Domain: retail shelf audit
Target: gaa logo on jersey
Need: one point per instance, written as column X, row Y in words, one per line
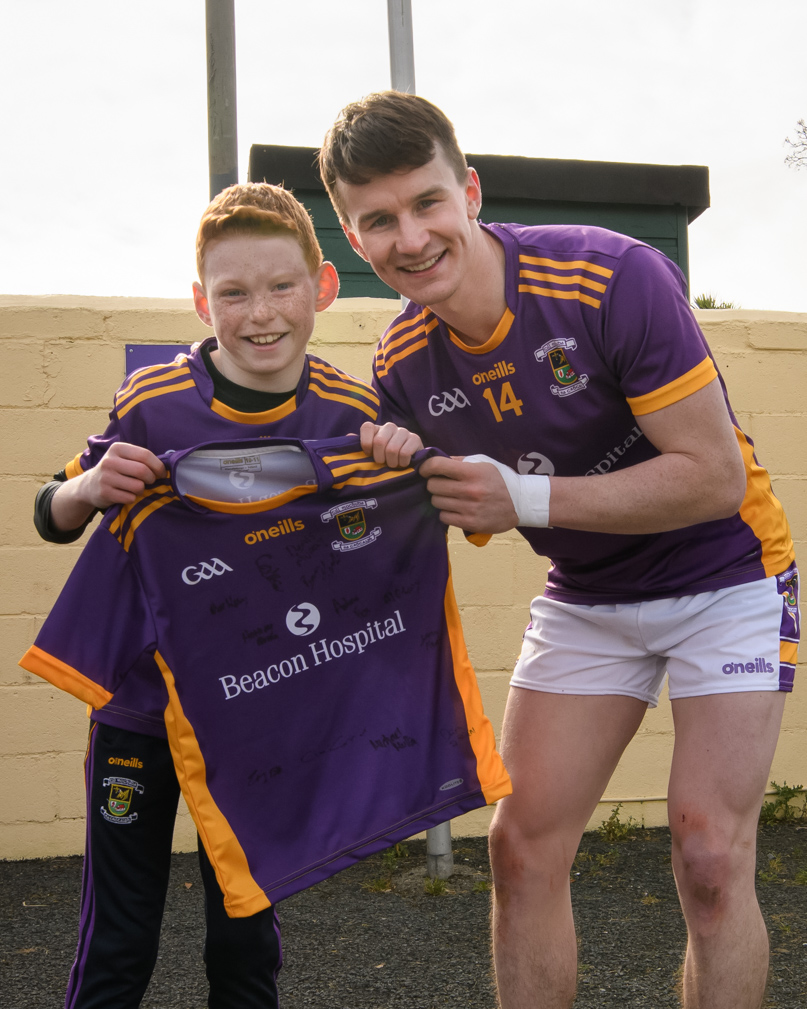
column 352, row 524
column 303, row 619
column 194, row 573
column 119, row 801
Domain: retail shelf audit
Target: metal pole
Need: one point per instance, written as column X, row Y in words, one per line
column 222, row 132
column 401, row 46
column 439, row 857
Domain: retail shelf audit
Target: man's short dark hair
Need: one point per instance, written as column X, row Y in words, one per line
column 385, row 132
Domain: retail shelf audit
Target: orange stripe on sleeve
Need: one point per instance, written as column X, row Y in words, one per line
column 155, row 392
column 243, row 895
column 140, row 381
column 553, row 278
column 673, row 392
column 572, row 264
column 549, row 292
column 64, row 677
column 73, row 468
column 371, row 411
column 493, row 777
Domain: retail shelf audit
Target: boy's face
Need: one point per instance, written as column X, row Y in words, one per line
column 261, row 298
column 417, row 229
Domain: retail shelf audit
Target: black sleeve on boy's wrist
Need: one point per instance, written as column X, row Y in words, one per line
column 42, row 517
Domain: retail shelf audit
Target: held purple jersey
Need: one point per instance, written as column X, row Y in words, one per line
column 297, row 599
column 597, row 332
column 173, row 406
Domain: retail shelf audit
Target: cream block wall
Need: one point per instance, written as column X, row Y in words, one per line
column 61, row 358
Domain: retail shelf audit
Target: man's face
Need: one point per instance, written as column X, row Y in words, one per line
column 416, row 228
column 260, row 298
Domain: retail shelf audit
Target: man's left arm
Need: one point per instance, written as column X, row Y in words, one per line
column 698, row 477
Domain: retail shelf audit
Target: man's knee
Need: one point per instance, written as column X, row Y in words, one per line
column 537, row 852
column 713, row 867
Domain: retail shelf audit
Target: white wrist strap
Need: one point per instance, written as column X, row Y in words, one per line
column 529, row 494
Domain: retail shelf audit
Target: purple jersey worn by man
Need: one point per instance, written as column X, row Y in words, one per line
column 297, row 599
column 597, row 332
column 173, row 406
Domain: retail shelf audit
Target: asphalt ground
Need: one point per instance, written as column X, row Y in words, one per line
column 372, row 936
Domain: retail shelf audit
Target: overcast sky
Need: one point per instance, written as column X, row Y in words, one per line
column 104, row 112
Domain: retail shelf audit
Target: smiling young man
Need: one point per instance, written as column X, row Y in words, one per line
column 568, row 357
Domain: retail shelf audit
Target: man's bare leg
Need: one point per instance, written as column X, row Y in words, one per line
column 560, row 751
column 724, row 745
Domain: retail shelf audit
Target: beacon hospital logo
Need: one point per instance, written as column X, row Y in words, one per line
column 303, row 619
column 351, row 523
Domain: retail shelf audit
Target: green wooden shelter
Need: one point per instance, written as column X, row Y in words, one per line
column 654, row 203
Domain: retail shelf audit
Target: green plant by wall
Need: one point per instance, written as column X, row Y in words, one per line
column 614, row 830
column 789, row 803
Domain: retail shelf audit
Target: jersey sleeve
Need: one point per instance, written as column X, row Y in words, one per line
column 42, row 516
column 99, row 627
column 650, row 336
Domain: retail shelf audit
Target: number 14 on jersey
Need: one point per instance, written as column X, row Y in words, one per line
column 507, row 401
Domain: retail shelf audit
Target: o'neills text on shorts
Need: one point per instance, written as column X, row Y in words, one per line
column 758, row 665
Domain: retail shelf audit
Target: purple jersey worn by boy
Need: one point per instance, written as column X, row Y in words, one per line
column 297, row 599
column 173, row 406
column 597, row 332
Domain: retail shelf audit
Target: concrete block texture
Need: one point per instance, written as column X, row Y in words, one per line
column 41, row 442
column 63, row 358
column 17, row 496
column 22, row 378
column 17, row 634
column 39, row 719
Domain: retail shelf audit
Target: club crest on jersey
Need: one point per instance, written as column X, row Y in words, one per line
column 569, row 382
column 119, row 801
column 352, row 524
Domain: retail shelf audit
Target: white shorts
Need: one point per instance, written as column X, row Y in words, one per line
column 736, row 639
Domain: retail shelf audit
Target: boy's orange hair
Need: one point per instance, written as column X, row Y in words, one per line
column 257, row 208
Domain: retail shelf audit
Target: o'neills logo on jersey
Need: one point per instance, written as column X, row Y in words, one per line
column 324, row 650
column 500, row 370
column 613, row 457
column 283, row 528
column 352, row 524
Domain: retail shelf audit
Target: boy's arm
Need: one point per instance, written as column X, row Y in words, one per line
column 42, row 514
column 123, row 472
